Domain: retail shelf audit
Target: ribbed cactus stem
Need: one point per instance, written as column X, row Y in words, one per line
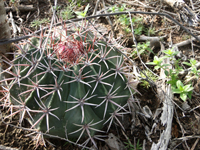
column 73, row 90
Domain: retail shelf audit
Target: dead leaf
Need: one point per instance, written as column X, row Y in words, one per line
column 114, row 143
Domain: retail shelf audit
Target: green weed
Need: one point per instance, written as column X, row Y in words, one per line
column 150, row 75
column 67, row 12
column 37, row 22
column 184, row 90
column 143, row 49
column 124, row 20
column 82, row 14
column 177, row 86
column 130, row 146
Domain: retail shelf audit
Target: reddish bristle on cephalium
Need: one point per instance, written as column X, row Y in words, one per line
column 70, row 50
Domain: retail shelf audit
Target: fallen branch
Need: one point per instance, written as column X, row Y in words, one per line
column 186, row 42
column 21, row 8
column 154, row 41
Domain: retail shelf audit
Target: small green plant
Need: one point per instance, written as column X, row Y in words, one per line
column 192, row 64
column 185, row 37
column 113, row 9
column 138, row 30
column 56, row 7
column 157, row 62
column 173, row 77
column 177, row 86
column 82, row 14
column 37, row 22
column 80, row 3
column 138, row 25
column 130, row 146
column 122, row 8
column 184, row 90
column 150, row 75
column 12, row 1
column 170, row 53
column 124, row 20
column 45, row 20
column 137, row 20
column 67, row 12
column 150, row 31
column 143, row 48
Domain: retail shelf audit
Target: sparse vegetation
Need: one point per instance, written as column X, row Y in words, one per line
column 37, row 22
column 130, row 146
column 150, row 75
column 177, row 85
column 143, row 49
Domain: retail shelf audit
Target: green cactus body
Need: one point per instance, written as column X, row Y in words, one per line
column 85, row 94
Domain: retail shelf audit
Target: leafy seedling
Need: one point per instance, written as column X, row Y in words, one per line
column 192, row 63
column 194, row 69
column 138, row 30
column 184, row 91
column 170, row 53
column 130, row 146
column 150, row 31
column 124, row 20
column 143, row 48
column 113, row 9
column 157, row 63
column 67, row 12
column 82, row 14
column 173, row 76
column 36, row 23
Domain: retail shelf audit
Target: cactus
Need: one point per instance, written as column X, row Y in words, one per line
column 67, row 86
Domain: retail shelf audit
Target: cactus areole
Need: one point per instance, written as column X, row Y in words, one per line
column 69, row 89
